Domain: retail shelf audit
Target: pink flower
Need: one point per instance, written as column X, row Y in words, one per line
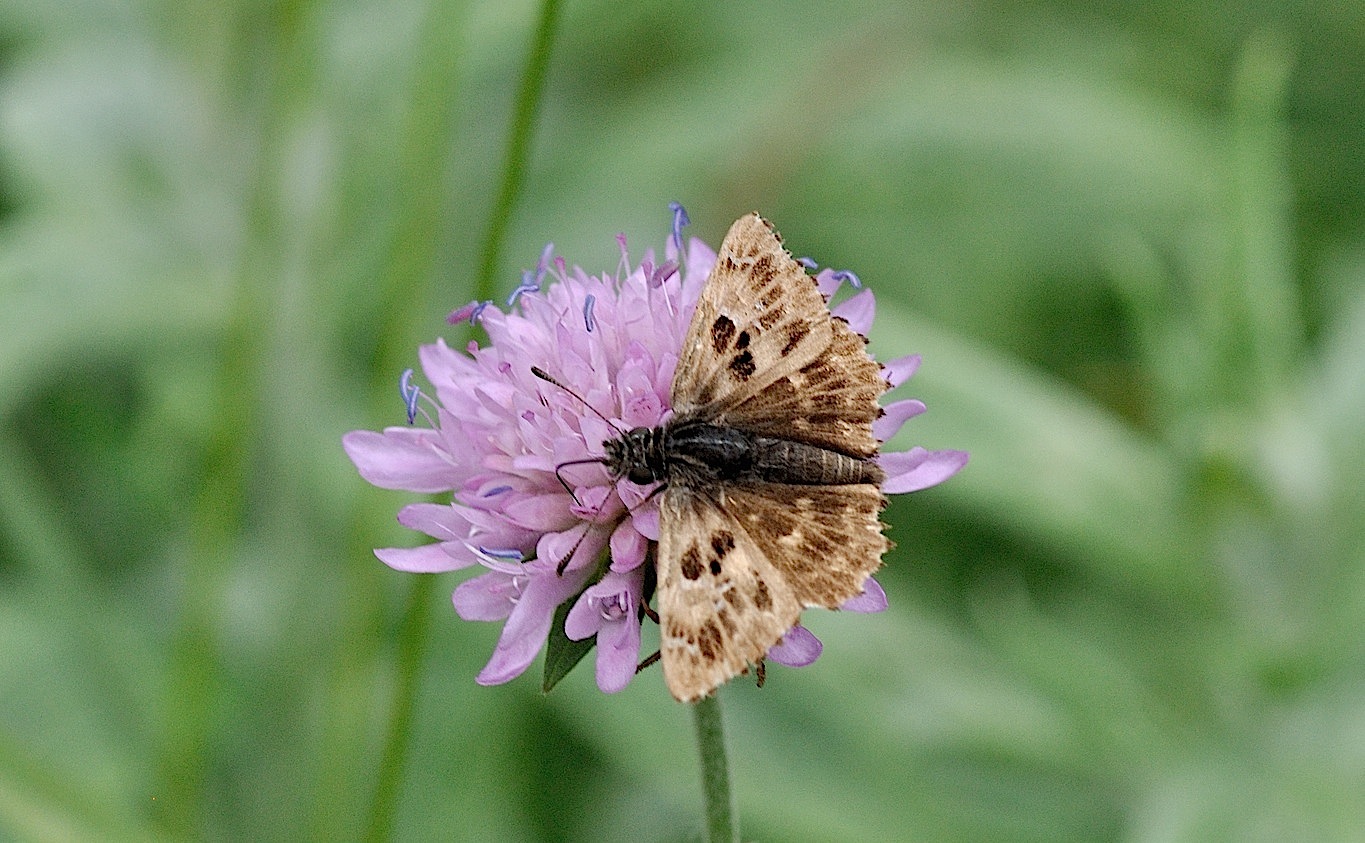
column 500, row 440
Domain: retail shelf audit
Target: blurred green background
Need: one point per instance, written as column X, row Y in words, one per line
column 1127, row 238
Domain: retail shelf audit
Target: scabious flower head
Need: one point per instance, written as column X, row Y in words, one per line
column 506, row 443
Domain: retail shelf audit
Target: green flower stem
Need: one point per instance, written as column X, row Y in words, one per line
column 722, row 817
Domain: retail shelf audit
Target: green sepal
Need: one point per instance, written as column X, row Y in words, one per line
column 561, row 653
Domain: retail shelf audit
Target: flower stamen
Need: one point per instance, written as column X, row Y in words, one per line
column 661, row 273
column 530, row 283
column 472, row 311
column 505, row 554
column 847, row 275
column 679, row 221
column 410, row 392
column 613, row 607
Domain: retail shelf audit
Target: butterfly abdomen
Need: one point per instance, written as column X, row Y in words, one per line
column 785, row 461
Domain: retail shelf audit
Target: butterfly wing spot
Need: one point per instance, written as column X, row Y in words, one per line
column 726, row 621
column 763, row 600
column 722, row 542
column 721, row 332
column 691, row 564
column 710, row 640
column 763, row 270
column 742, row 366
column 773, row 314
column 818, row 370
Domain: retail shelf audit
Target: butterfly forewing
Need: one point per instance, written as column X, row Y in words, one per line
column 764, row 354
column 830, row 402
column 759, row 319
column 722, row 603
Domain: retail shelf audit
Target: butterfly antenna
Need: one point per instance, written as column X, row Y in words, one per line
column 548, row 378
column 564, row 563
column 565, row 483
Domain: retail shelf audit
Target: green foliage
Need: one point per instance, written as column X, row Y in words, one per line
column 1127, row 239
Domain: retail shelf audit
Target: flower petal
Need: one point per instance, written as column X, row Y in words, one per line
column 900, row 370
column 426, row 559
column 487, row 597
column 404, row 458
column 541, row 513
column 894, row 415
column 646, row 520
column 527, row 626
column 438, row 520
column 584, row 618
column 873, row 599
column 859, row 310
column 798, row 648
column 610, row 609
column 628, row 547
column 917, row 468
column 618, row 652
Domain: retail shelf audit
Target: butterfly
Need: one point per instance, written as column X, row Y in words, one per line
column 771, row 493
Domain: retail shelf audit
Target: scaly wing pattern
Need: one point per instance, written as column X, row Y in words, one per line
column 764, row 354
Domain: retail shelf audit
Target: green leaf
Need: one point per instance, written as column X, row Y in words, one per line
column 561, row 653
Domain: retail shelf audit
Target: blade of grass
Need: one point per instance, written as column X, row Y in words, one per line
column 412, row 635
column 219, row 510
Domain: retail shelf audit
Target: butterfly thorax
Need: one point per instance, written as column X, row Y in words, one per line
column 697, row 453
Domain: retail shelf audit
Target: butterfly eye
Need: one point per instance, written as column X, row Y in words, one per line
column 640, row 475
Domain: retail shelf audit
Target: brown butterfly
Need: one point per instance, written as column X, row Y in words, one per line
column 771, row 491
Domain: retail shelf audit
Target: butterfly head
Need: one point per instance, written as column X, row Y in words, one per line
column 637, row 455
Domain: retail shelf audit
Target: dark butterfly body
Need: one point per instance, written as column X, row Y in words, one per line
column 698, row 454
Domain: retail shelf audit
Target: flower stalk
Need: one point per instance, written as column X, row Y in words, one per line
column 722, row 815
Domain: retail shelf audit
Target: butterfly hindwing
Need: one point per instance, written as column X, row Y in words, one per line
column 824, row 541
column 737, row 565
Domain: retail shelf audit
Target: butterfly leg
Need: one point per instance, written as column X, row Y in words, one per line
column 649, row 660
